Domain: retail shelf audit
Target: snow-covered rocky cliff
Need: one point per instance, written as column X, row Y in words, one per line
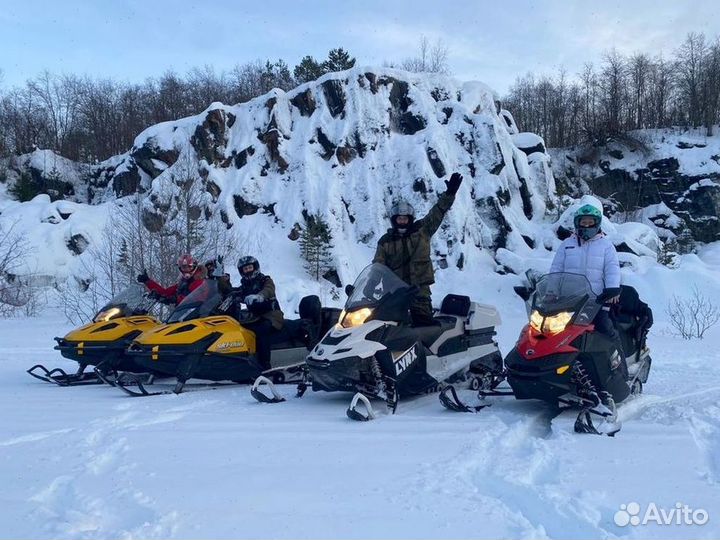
column 666, row 179
column 343, row 147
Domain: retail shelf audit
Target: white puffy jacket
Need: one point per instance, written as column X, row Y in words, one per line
column 596, row 259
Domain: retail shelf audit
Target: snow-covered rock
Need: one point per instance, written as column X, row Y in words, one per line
column 59, row 177
column 667, row 179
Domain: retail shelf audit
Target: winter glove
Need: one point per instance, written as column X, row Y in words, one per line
column 143, row 278
column 610, row 296
column 253, row 298
column 258, row 308
column 454, row 183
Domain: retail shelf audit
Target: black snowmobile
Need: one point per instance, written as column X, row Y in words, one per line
column 103, row 342
column 375, row 352
column 201, row 340
column 559, row 358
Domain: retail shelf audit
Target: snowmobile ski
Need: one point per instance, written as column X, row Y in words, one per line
column 486, row 386
column 353, row 413
column 128, row 381
column 451, row 401
column 60, row 377
column 260, row 396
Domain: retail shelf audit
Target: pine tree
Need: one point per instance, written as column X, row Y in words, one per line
column 24, row 188
column 315, row 246
column 668, row 253
column 308, row 70
column 338, row 60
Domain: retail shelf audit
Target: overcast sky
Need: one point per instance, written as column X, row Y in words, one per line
column 489, row 41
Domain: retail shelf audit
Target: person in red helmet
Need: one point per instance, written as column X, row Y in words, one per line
column 191, row 276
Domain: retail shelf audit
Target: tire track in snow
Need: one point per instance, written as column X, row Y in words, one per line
column 512, row 469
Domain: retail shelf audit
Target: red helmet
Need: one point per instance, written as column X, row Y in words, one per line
column 187, row 265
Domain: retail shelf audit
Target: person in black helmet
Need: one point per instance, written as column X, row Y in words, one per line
column 405, row 248
column 257, row 292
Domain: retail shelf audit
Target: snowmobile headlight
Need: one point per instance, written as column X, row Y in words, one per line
column 536, row 320
column 354, row 318
column 553, row 324
column 108, row 314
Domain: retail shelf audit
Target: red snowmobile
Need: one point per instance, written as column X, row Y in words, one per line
column 559, row 358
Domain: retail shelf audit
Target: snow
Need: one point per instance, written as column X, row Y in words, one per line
column 93, row 463
column 705, row 182
column 527, row 140
column 48, row 227
column 48, row 164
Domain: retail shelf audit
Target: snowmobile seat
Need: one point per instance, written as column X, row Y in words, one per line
column 446, row 322
column 303, row 331
column 310, row 308
column 455, row 304
column 294, row 333
column 633, row 318
column 427, row 335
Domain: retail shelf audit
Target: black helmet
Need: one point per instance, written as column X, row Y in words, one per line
column 247, row 261
column 401, row 208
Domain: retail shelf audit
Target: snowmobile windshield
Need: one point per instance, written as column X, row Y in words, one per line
column 199, row 303
column 131, row 301
column 563, row 292
column 373, row 284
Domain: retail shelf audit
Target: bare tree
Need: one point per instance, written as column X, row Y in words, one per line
column 60, row 99
column 692, row 317
column 639, row 72
column 430, row 58
column 689, row 65
column 711, row 87
column 16, row 291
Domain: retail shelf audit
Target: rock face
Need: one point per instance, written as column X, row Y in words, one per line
column 670, row 182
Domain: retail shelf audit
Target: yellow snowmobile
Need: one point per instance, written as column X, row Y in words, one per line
column 201, row 341
column 103, row 342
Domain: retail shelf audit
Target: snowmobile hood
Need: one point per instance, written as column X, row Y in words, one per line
column 340, row 343
column 112, row 330
column 233, row 338
column 535, row 346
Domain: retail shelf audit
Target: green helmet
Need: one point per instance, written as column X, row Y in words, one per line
column 587, row 210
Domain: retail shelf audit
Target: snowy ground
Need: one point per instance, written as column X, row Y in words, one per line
column 93, row 463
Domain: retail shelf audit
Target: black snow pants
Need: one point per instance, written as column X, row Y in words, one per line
column 263, row 329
